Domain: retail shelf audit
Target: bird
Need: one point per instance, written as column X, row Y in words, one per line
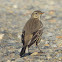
column 32, row 32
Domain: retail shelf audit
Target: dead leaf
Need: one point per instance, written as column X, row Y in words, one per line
column 35, row 53
column 58, row 36
column 51, row 12
column 52, row 21
column 46, row 45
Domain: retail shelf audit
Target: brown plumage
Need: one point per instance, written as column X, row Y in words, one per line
column 32, row 31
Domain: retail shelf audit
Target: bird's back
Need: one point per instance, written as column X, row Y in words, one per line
column 32, row 25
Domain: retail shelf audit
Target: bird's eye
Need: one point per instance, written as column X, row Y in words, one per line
column 35, row 13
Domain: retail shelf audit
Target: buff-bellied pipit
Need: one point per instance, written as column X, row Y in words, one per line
column 32, row 32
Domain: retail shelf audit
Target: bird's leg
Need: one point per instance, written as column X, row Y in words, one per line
column 38, row 47
column 27, row 50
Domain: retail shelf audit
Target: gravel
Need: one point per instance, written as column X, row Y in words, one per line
column 14, row 15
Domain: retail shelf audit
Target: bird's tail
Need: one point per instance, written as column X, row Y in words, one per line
column 22, row 51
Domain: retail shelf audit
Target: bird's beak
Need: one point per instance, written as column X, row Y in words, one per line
column 42, row 13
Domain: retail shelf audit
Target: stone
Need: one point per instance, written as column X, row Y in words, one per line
column 19, row 60
column 1, row 36
column 15, row 6
column 8, row 61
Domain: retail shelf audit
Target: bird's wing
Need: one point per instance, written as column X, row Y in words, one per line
column 36, row 36
column 22, row 37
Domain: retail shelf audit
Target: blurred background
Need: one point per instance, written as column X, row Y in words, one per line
column 13, row 16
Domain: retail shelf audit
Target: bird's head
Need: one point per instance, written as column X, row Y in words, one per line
column 36, row 14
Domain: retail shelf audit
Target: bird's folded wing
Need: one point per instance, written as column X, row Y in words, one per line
column 36, row 36
column 22, row 37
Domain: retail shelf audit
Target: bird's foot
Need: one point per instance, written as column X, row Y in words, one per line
column 29, row 53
